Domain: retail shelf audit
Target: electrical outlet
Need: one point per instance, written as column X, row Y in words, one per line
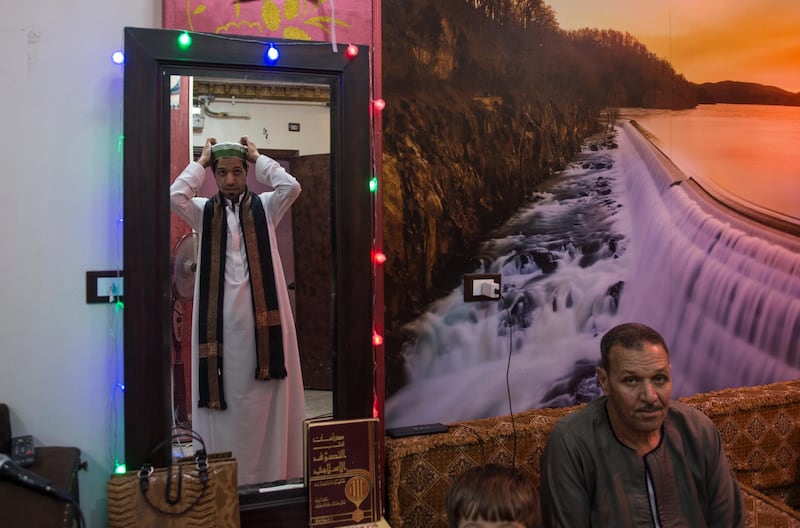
column 482, row 286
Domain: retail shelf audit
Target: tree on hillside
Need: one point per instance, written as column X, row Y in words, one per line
column 631, row 74
column 523, row 13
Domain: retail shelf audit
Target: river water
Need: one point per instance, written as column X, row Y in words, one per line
column 751, row 152
column 608, row 240
column 561, row 259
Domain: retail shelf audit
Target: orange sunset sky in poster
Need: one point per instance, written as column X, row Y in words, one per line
column 706, row 41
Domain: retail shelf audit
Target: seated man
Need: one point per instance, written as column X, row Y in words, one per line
column 492, row 496
column 632, row 457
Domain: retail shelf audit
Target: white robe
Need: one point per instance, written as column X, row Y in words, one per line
column 263, row 424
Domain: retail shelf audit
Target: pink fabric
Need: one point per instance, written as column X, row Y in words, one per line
column 292, row 19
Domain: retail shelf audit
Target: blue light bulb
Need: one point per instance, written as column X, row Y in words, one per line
column 272, row 54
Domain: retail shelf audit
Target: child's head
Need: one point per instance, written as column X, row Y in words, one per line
column 501, row 495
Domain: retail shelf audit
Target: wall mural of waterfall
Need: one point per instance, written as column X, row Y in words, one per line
column 625, row 224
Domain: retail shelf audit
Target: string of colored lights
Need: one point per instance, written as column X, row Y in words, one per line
column 377, row 257
column 115, row 315
column 271, row 53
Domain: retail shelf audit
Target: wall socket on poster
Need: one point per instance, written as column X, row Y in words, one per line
column 482, row 286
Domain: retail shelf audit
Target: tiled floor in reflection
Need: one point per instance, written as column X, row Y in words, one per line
column 318, row 403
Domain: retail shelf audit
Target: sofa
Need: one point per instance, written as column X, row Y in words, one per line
column 759, row 426
column 23, row 507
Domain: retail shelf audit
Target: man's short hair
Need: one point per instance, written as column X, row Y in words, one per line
column 493, row 493
column 216, row 162
column 631, row 336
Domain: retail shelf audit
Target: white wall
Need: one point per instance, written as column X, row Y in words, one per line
column 314, row 136
column 61, row 100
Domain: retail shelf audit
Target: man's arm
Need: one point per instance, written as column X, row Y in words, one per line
column 564, row 501
column 182, row 193
column 184, row 188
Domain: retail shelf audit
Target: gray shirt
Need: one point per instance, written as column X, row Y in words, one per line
column 589, row 478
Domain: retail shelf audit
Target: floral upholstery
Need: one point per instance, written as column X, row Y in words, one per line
column 760, row 428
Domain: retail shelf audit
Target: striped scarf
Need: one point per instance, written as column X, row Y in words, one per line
column 268, row 336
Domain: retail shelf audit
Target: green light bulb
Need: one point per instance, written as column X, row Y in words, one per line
column 184, row 40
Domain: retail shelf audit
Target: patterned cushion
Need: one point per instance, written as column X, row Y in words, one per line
column 766, row 512
column 760, row 428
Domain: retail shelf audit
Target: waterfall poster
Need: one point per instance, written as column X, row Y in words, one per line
column 612, row 161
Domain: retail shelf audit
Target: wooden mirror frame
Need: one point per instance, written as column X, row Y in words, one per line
column 151, row 56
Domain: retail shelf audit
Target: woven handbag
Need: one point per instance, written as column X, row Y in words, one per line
column 198, row 492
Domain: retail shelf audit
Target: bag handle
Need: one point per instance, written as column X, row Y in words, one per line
column 201, row 463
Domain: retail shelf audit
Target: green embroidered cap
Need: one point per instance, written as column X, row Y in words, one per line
column 228, row 150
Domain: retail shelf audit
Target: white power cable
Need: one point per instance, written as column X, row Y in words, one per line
column 333, row 27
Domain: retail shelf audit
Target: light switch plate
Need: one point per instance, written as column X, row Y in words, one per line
column 104, row 286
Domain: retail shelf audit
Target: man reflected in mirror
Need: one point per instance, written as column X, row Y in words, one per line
column 247, row 388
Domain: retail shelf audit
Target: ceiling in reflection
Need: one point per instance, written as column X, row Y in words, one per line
column 262, row 90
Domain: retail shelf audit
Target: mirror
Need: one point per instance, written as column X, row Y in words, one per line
column 152, row 58
column 290, row 122
column 271, row 114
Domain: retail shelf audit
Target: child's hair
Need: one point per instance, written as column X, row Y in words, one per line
column 493, row 493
